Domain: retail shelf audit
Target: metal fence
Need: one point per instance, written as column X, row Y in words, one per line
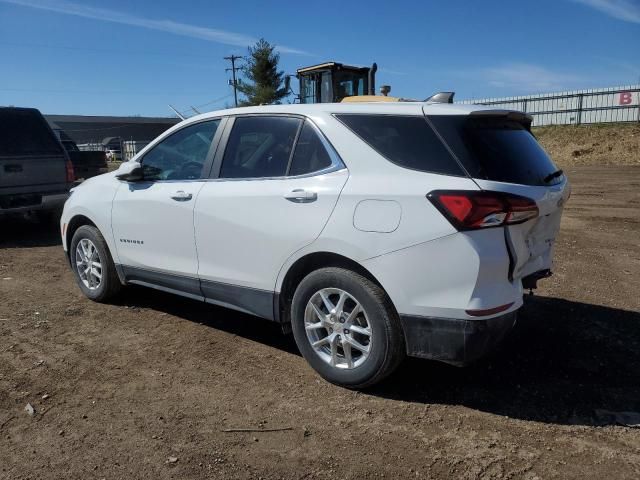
column 131, row 147
column 599, row 105
column 123, row 150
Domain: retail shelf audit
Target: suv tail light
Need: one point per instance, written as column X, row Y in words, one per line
column 471, row 210
column 71, row 174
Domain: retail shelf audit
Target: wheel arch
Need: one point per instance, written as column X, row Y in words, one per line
column 305, row 265
column 80, row 220
column 74, row 224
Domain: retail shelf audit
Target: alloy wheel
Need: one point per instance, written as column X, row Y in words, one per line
column 338, row 328
column 88, row 264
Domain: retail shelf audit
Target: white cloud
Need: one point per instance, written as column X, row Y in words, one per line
column 627, row 10
column 524, row 77
column 169, row 26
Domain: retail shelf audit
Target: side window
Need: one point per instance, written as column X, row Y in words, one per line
column 182, row 155
column 407, row 141
column 259, row 147
column 310, row 154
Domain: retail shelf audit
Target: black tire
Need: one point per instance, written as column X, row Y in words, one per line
column 110, row 285
column 387, row 345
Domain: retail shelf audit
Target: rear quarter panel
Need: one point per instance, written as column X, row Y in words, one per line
column 373, row 177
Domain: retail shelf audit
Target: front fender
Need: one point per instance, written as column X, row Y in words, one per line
column 94, row 202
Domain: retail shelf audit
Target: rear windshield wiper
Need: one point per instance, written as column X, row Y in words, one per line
column 553, row 175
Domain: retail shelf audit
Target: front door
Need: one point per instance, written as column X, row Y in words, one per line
column 273, row 196
column 152, row 219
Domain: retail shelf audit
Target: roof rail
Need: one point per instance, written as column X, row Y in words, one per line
column 441, row 97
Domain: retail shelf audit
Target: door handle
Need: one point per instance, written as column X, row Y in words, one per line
column 182, row 196
column 299, row 195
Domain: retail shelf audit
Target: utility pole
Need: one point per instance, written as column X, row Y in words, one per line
column 233, row 70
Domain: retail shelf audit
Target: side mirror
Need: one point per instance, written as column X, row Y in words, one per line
column 130, row 172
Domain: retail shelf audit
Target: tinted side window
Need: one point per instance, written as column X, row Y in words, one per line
column 310, row 154
column 259, row 147
column 182, row 155
column 407, row 141
column 496, row 149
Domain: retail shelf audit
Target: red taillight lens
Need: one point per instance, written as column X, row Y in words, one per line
column 71, row 174
column 469, row 210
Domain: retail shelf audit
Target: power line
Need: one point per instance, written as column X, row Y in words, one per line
column 96, row 92
column 187, row 111
column 217, row 100
column 127, row 51
column 233, row 70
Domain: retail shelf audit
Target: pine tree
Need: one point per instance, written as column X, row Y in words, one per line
column 264, row 83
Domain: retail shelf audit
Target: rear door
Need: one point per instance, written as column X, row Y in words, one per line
column 30, row 154
column 501, row 154
column 273, row 191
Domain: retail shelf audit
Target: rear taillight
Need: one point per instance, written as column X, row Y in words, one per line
column 470, row 210
column 71, row 174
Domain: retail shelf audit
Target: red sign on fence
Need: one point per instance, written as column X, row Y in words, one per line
column 626, row 98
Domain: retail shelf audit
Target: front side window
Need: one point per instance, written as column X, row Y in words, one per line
column 407, row 141
column 310, row 154
column 259, row 147
column 182, row 155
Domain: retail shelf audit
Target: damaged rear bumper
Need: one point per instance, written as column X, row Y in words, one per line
column 455, row 341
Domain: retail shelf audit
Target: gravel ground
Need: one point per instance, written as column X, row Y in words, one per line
column 146, row 388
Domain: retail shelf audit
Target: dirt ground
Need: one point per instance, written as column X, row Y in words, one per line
column 145, row 388
column 604, row 144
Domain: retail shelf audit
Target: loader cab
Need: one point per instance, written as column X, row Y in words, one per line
column 332, row 81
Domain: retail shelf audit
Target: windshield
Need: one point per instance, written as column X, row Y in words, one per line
column 349, row 83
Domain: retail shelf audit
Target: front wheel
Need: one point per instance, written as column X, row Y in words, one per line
column 346, row 328
column 92, row 265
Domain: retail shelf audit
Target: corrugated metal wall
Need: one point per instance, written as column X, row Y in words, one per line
column 598, row 105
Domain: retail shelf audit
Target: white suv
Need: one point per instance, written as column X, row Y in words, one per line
column 371, row 230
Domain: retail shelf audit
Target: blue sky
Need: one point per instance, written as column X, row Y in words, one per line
column 133, row 58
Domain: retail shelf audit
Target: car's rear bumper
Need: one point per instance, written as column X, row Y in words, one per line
column 455, row 341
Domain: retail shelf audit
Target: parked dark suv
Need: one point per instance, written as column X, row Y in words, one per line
column 35, row 171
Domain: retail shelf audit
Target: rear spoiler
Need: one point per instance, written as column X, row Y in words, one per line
column 520, row 117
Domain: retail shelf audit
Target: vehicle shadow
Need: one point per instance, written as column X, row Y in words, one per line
column 28, row 231
column 563, row 362
column 220, row 318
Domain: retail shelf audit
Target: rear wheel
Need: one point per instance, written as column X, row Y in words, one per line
column 92, row 265
column 346, row 328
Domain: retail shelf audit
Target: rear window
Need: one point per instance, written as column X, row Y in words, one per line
column 496, row 148
column 25, row 132
column 406, row 141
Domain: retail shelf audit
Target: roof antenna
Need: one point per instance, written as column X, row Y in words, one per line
column 176, row 112
column 441, row 97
